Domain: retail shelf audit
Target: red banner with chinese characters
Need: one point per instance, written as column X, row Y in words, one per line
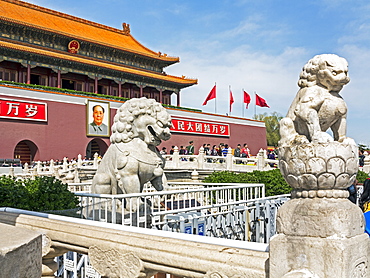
column 198, row 127
column 23, row 110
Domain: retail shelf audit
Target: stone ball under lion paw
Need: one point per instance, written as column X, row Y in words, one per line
column 322, row 137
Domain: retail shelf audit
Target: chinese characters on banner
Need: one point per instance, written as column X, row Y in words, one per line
column 22, row 110
column 197, row 127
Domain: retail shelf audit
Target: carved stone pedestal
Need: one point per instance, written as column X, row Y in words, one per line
column 320, row 233
column 319, row 257
column 319, row 237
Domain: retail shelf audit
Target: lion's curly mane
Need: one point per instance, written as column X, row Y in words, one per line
column 308, row 75
column 128, row 113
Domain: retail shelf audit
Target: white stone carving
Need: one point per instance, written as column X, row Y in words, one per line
column 115, row 264
column 315, row 166
column 319, row 224
column 132, row 158
column 309, row 158
column 318, row 105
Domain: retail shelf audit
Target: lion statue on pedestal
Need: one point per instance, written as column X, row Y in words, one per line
column 132, row 159
column 318, row 105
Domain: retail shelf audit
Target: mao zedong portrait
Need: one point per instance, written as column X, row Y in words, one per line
column 97, row 126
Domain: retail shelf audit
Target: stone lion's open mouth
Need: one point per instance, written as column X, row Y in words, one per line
column 152, row 132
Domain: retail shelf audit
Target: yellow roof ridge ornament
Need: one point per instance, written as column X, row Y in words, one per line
column 126, row 28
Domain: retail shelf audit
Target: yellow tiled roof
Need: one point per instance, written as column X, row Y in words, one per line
column 81, row 59
column 42, row 18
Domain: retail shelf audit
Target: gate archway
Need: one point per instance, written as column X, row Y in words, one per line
column 25, row 151
column 96, row 146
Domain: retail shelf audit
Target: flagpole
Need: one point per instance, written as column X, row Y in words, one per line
column 216, row 100
column 229, row 100
column 255, row 105
column 243, row 102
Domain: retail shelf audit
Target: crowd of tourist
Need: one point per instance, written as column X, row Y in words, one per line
column 220, row 150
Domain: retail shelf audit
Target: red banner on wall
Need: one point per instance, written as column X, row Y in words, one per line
column 199, row 127
column 22, row 110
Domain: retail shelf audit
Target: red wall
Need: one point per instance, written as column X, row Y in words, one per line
column 254, row 136
column 64, row 134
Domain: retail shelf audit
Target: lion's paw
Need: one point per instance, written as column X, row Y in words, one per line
column 322, row 137
column 300, row 139
column 347, row 141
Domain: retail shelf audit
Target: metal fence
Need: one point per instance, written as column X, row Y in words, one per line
column 239, row 212
column 145, row 209
column 73, row 265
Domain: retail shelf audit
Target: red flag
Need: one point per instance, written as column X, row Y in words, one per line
column 247, row 99
column 211, row 95
column 261, row 102
column 231, row 100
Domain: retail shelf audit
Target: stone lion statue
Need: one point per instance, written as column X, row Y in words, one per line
column 132, row 159
column 318, row 105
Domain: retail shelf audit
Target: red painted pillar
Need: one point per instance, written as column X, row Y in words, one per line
column 50, row 79
column 59, row 81
column 160, row 95
column 141, row 90
column 86, row 85
column 120, row 88
column 96, row 85
column 20, row 76
column 28, row 74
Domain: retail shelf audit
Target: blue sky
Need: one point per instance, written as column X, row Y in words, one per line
column 256, row 45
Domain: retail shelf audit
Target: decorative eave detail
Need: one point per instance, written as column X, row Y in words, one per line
column 181, row 81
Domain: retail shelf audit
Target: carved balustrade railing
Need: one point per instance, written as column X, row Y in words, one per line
column 228, row 162
column 259, row 227
column 125, row 251
column 80, row 170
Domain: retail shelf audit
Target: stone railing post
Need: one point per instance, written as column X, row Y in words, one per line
column 11, row 171
column 34, row 173
column 194, row 175
column 25, row 168
column 77, row 175
column 229, row 159
column 38, row 167
column 95, row 160
column 79, row 161
column 52, row 168
column 175, row 157
column 49, row 265
column 65, row 164
column 366, row 167
column 261, row 160
column 201, row 158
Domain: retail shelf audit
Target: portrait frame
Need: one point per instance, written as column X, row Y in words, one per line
column 92, row 129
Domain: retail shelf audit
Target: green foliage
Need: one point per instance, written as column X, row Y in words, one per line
column 361, row 176
column 272, row 127
column 41, row 194
column 362, row 147
column 12, row 193
column 273, row 180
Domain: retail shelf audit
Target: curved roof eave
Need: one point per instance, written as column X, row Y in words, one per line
column 27, row 14
column 182, row 81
